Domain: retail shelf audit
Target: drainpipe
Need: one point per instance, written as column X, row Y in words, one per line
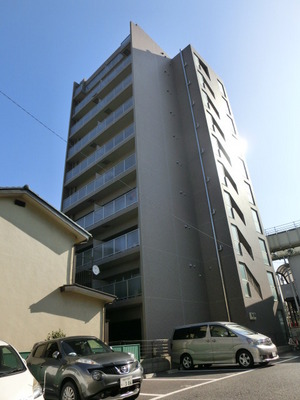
column 206, row 190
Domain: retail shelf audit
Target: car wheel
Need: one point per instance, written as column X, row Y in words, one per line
column 245, row 359
column 187, row 362
column 69, row 392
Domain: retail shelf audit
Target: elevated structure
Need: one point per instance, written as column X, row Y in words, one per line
column 155, row 172
column 284, row 244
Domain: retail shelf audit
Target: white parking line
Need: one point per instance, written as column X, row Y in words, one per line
column 200, row 384
column 207, row 381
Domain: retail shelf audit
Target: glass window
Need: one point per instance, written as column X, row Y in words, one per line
column 256, row 221
column 272, row 286
column 227, row 108
column 221, row 87
column 243, row 168
column 264, row 252
column 228, row 204
column 231, row 126
column 245, row 281
column 236, row 240
column 249, row 193
column 220, row 331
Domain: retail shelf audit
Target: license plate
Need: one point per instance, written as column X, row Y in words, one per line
column 274, row 354
column 125, row 382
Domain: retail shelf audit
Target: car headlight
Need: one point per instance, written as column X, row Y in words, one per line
column 255, row 342
column 37, row 389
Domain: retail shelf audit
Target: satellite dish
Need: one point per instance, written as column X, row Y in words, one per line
column 96, row 270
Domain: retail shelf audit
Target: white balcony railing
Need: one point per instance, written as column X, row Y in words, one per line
column 100, row 181
column 101, row 105
column 99, row 153
column 109, row 209
column 107, row 249
column 101, row 127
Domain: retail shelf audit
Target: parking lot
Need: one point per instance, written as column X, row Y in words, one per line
column 230, row 382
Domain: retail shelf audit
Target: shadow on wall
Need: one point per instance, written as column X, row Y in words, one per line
column 67, row 305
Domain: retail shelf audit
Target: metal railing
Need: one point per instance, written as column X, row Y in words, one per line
column 109, row 209
column 101, row 105
column 101, row 127
column 100, row 181
column 282, row 228
column 107, row 249
column 149, row 348
column 100, row 152
column 126, row 289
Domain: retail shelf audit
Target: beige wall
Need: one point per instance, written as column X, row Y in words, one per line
column 35, row 258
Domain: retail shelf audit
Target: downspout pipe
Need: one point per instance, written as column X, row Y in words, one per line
column 206, row 190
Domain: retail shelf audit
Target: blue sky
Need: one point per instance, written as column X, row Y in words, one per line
column 252, row 44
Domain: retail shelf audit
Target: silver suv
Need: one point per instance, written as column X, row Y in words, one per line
column 220, row 343
column 83, row 367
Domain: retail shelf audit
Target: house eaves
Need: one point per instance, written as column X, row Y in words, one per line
column 27, row 195
column 85, row 291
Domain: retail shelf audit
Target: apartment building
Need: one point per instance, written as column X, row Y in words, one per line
column 155, row 173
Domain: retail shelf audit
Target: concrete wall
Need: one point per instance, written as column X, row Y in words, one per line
column 36, row 259
column 169, row 251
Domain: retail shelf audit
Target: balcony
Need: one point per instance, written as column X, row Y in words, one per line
column 101, row 85
column 102, row 252
column 125, row 289
column 109, row 209
column 97, row 155
column 98, row 77
column 100, row 106
column 94, row 186
column 101, row 127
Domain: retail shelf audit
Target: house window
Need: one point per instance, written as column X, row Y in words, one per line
column 264, row 252
column 245, row 281
column 256, row 221
column 272, row 286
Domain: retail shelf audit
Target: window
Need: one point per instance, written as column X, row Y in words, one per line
column 201, row 65
column 243, row 168
column 256, row 221
column 264, row 252
column 231, row 205
column 225, row 176
column 249, row 193
column 236, row 240
column 220, row 331
column 227, row 108
column 208, row 103
column 231, row 125
column 272, row 285
column 227, row 198
column 221, row 87
column 245, row 281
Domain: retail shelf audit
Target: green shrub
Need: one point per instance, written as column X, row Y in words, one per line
column 55, row 335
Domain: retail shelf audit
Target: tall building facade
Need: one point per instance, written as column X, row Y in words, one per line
column 153, row 170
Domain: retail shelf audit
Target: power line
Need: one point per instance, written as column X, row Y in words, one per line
column 32, row 116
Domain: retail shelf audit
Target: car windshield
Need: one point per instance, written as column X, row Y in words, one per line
column 84, row 347
column 10, row 361
column 242, row 330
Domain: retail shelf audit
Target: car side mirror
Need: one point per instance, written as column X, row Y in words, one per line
column 56, row 355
